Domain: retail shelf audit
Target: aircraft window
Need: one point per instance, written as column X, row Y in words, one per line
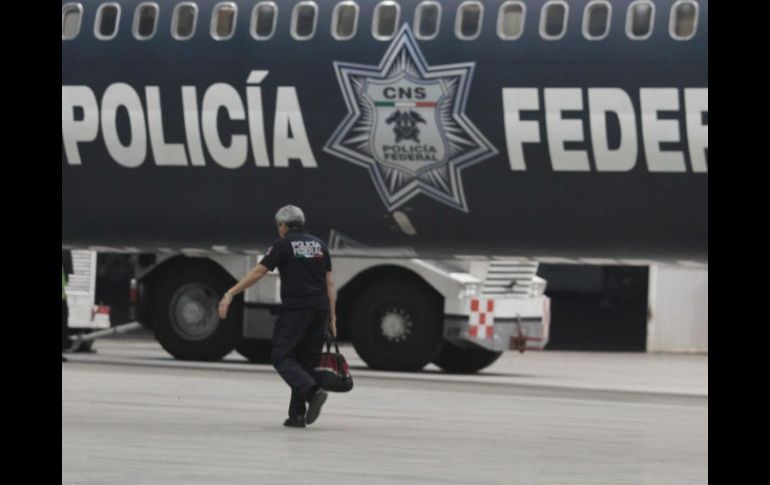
column 263, row 20
column 345, row 20
column 510, row 20
column 107, row 21
column 223, row 21
column 71, row 16
column 639, row 20
column 385, row 20
column 596, row 20
column 684, row 20
column 183, row 23
column 553, row 20
column 427, row 19
column 145, row 20
column 468, row 23
column 303, row 20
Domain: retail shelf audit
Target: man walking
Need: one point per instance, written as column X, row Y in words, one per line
column 308, row 304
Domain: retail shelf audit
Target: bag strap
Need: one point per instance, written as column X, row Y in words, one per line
column 329, row 339
column 336, row 347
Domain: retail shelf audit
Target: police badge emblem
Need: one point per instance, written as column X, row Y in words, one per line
column 406, row 124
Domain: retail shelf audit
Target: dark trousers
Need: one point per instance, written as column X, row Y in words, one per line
column 298, row 338
column 65, row 315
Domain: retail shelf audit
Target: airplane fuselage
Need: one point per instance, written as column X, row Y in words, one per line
column 528, row 146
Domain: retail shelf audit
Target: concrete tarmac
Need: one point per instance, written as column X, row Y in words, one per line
column 131, row 414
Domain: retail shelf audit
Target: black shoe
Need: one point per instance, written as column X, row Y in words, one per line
column 315, row 402
column 63, row 359
column 295, row 422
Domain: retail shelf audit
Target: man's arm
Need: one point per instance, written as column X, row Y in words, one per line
column 252, row 277
column 332, row 303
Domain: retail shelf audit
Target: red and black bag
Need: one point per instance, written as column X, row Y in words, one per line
column 332, row 372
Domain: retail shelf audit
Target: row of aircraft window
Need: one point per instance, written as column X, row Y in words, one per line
column 427, row 19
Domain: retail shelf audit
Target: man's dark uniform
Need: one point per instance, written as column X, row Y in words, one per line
column 299, row 333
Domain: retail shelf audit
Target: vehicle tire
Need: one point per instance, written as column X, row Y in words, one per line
column 397, row 325
column 184, row 313
column 256, row 350
column 452, row 358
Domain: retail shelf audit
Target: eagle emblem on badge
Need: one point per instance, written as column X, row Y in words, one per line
column 406, row 124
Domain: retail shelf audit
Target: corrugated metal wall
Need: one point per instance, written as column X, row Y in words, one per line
column 678, row 303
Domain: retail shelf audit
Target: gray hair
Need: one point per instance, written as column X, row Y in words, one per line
column 290, row 215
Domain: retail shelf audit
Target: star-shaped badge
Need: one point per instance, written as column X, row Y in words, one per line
column 406, row 124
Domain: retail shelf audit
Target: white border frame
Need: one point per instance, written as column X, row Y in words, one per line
column 671, row 21
column 135, row 23
column 418, row 17
column 335, row 19
column 175, row 21
column 458, row 20
column 376, row 18
column 98, row 21
column 213, row 27
column 500, row 19
column 629, row 11
column 590, row 4
column 69, row 6
column 253, row 23
column 295, row 16
column 565, row 25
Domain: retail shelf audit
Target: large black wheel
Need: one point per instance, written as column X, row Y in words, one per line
column 397, row 325
column 184, row 313
column 255, row 350
column 454, row 359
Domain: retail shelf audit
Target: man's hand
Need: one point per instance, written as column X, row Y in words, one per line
column 252, row 277
column 224, row 305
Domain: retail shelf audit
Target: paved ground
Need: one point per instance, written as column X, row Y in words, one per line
column 133, row 415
